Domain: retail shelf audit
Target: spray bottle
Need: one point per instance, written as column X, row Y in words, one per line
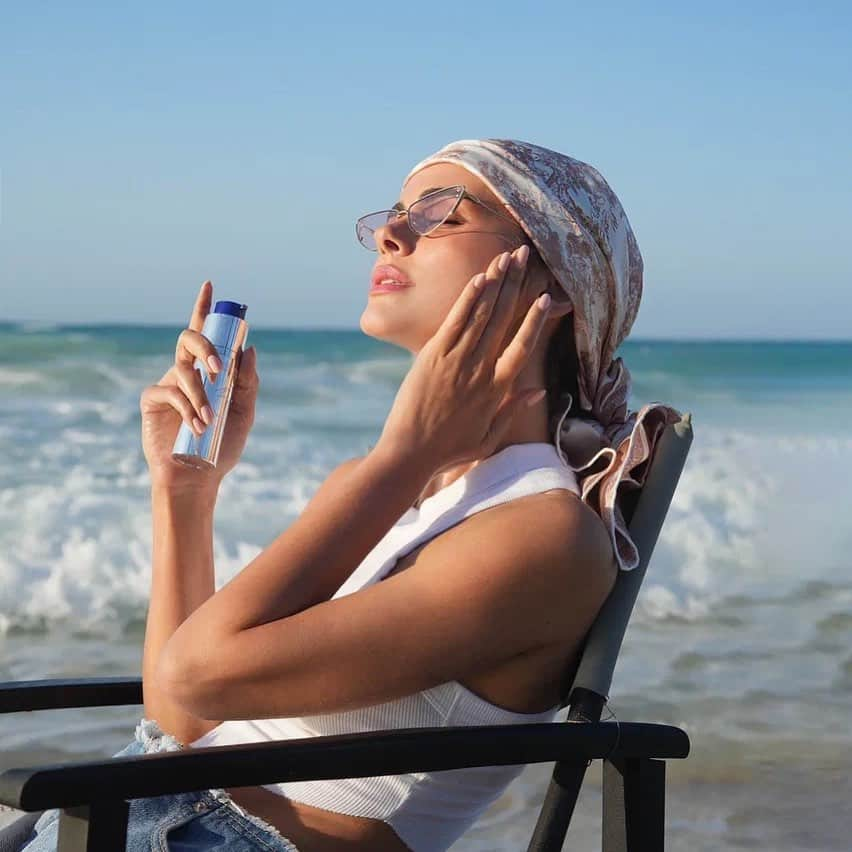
column 226, row 328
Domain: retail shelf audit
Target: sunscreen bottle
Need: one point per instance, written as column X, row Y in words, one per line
column 225, row 327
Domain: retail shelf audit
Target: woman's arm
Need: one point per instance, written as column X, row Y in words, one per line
column 350, row 513
column 528, row 574
column 182, row 578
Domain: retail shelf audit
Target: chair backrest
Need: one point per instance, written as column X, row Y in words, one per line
column 644, row 518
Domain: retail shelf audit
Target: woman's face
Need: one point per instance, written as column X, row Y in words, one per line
column 440, row 264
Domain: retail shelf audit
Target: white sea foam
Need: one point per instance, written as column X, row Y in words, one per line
column 12, row 378
column 79, row 542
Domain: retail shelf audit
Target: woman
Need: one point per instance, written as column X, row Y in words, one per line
column 448, row 576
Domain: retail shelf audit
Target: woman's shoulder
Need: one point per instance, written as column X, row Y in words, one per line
column 573, row 529
column 569, row 546
column 551, row 537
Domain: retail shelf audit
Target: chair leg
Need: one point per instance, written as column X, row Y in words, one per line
column 92, row 828
column 558, row 808
column 634, row 801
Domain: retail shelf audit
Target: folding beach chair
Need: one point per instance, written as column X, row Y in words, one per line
column 94, row 796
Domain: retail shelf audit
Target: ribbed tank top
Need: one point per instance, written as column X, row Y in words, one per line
column 429, row 811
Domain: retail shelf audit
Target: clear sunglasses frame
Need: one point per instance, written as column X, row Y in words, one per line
column 365, row 233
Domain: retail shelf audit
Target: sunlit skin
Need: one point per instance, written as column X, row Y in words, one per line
column 440, row 264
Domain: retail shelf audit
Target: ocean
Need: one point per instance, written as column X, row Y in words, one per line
column 742, row 634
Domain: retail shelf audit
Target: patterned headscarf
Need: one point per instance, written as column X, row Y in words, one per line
column 580, row 229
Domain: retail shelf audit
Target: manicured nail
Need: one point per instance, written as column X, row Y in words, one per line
column 522, row 254
column 198, row 425
column 214, row 363
column 503, row 263
column 544, row 301
column 207, row 414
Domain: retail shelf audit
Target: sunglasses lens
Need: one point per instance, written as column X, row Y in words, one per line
column 423, row 216
column 366, row 226
column 426, row 214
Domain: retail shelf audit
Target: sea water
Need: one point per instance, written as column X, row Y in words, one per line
column 742, row 633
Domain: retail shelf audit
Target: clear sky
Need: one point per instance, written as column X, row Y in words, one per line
column 146, row 148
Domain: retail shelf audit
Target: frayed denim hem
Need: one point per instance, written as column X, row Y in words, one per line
column 153, row 738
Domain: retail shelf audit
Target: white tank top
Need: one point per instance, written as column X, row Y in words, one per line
column 429, row 811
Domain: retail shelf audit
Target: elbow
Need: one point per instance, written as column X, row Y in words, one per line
column 186, row 681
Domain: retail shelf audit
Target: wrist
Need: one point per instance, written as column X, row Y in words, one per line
column 198, row 497
column 417, row 466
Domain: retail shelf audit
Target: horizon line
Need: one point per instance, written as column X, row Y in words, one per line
column 49, row 325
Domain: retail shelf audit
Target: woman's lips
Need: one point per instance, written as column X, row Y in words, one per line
column 388, row 288
column 388, row 279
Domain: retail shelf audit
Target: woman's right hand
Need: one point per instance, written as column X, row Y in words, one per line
column 179, row 397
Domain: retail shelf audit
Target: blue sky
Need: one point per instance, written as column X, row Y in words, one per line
column 145, row 149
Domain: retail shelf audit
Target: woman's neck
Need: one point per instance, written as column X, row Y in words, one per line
column 528, row 426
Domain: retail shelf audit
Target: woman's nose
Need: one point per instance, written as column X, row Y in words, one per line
column 396, row 236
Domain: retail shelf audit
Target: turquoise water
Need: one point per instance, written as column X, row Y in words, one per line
column 742, row 634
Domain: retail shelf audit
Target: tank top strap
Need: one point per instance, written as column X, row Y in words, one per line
column 518, row 485
column 516, row 471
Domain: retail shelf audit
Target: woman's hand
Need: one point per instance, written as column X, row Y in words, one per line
column 458, row 398
column 179, row 397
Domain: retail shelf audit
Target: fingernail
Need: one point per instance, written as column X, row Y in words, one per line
column 536, row 397
column 207, row 414
column 544, row 301
column 214, row 363
column 503, row 263
column 522, row 254
column 198, row 425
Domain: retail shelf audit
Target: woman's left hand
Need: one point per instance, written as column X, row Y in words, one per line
column 458, row 398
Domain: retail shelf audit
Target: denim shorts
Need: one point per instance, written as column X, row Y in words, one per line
column 204, row 820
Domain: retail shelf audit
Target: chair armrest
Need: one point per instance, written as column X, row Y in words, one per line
column 339, row 756
column 61, row 694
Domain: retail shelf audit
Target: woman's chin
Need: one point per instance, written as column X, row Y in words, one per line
column 373, row 324
column 383, row 328
column 370, row 324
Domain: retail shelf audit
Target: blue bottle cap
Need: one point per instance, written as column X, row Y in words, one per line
column 235, row 309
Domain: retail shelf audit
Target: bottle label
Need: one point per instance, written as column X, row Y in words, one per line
column 216, row 389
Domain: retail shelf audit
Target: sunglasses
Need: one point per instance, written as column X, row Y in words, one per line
column 423, row 216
